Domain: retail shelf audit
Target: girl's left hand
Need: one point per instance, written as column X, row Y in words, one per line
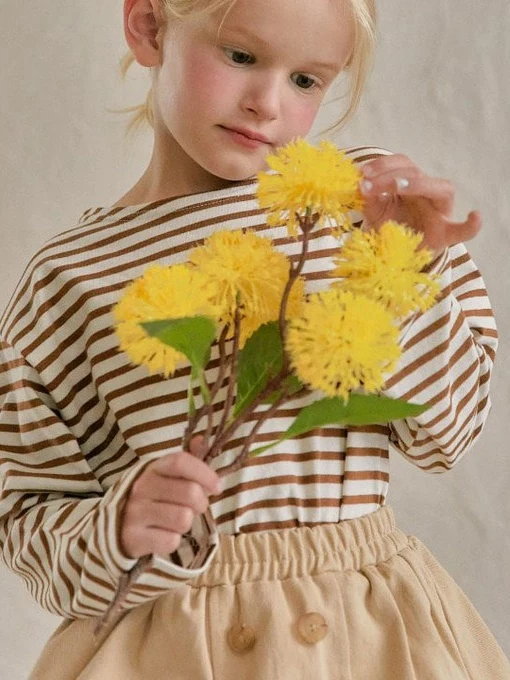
column 394, row 188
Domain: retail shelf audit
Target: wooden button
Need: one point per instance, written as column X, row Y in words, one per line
column 312, row 627
column 241, row 638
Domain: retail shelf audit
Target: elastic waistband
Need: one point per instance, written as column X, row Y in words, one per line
column 288, row 553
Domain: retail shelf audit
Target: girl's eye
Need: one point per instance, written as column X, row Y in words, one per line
column 239, row 57
column 303, row 81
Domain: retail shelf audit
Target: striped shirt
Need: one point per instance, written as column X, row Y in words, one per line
column 79, row 422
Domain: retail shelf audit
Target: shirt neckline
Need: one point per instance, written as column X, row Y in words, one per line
column 194, row 197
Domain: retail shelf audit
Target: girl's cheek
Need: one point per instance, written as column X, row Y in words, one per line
column 303, row 117
column 205, row 71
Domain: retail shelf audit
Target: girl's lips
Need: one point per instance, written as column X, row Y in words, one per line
column 246, row 138
column 251, row 134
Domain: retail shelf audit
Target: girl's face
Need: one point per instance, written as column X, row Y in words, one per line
column 224, row 101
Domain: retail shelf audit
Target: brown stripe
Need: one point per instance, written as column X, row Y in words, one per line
column 23, row 428
column 369, row 475
column 40, row 446
column 278, row 503
column 50, row 464
column 478, row 313
column 460, row 260
column 76, row 477
column 20, row 385
column 467, row 278
column 471, row 294
column 278, row 480
column 22, row 405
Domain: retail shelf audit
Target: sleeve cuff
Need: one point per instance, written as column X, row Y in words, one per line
column 192, row 558
column 115, row 561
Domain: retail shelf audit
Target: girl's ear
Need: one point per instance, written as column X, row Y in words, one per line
column 142, row 22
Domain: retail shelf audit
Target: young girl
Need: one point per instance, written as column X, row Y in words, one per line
column 309, row 576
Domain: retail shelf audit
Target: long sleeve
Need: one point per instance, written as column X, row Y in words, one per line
column 447, row 362
column 59, row 527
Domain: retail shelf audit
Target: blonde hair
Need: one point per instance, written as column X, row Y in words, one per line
column 358, row 67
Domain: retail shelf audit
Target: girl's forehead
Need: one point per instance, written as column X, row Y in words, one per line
column 324, row 28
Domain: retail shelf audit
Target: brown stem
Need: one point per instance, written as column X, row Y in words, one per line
column 233, row 467
column 125, row 582
column 306, row 223
column 219, row 380
column 220, row 441
column 229, row 399
column 194, row 419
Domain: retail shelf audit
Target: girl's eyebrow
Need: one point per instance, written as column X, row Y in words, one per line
column 246, row 33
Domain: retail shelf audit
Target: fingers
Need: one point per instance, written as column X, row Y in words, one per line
column 458, row 232
column 163, row 502
column 184, row 465
column 138, row 541
column 156, row 489
column 395, row 188
column 440, row 192
column 156, row 526
column 384, row 164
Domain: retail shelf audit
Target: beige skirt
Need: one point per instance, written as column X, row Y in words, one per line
column 358, row 600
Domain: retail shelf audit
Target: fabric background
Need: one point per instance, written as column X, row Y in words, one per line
column 439, row 92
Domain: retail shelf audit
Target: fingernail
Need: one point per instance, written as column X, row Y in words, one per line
column 402, row 183
column 219, row 486
column 366, row 186
column 368, row 171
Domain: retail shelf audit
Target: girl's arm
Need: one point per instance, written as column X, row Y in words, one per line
column 59, row 528
column 447, row 362
column 450, row 349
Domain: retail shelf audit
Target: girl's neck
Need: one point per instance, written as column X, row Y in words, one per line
column 164, row 178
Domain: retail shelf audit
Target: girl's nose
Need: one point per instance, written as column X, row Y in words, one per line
column 262, row 97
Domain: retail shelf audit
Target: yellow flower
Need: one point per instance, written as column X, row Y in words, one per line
column 386, row 266
column 342, row 342
column 248, row 270
column 319, row 181
column 161, row 293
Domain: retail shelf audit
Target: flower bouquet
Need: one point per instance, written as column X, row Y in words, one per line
column 274, row 341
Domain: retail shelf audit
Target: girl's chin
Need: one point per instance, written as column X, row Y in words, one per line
column 237, row 174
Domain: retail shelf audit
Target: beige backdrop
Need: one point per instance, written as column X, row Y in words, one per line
column 440, row 93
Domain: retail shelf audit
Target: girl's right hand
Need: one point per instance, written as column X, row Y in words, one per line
column 163, row 501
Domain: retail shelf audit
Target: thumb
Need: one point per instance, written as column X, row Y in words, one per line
column 198, row 446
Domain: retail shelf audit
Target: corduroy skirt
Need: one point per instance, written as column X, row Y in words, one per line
column 358, row 600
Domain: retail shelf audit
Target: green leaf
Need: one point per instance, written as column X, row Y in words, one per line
column 259, row 360
column 193, row 336
column 360, row 409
